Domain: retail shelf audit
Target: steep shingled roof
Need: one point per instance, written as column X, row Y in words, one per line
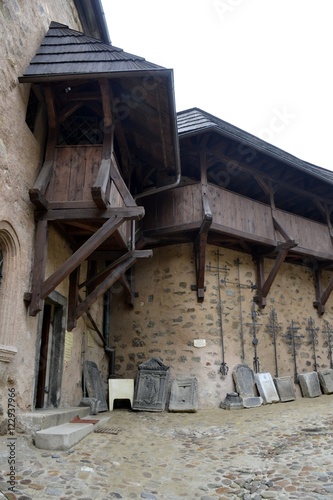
column 193, row 121
column 66, row 52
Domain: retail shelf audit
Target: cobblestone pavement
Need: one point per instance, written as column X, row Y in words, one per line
column 280, row 451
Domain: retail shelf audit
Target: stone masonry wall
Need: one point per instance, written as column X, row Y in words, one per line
column 167, row 318
column 23, row 25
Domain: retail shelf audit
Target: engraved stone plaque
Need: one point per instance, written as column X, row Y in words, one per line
column 266, row 388
column 151, row 386
column 285, row 389
column 184, row 395
column 244, row 380
column 94, row 385
column 309, row 383
column 326, row 380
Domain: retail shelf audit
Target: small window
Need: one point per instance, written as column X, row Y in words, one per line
column 81, row 127
column 32, row 110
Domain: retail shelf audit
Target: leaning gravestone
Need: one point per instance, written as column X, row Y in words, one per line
column 326, row 380
column 184, row 395
column 243, row 377
column 266, row 388
column 309, row 383
column 285, row 389
column 151, row 386
column 94, row 385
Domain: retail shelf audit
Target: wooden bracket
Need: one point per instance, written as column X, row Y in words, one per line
column 200, row 245
column 263, row 285
column 321, row 295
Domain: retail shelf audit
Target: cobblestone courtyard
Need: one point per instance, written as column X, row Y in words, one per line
column 281, row 451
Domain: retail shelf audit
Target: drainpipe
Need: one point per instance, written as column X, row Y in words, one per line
column 106, row 333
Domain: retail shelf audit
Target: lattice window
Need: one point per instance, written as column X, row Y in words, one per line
column 81, row 127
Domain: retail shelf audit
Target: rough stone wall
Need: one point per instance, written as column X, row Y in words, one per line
column 167, row 318
column 23, row 25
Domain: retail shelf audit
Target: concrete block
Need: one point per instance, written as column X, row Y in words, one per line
column 120, row 388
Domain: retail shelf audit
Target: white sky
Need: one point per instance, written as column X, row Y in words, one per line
column 262, row 65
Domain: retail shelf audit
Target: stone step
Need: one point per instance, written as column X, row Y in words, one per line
column 64, row 436
column 37, row 420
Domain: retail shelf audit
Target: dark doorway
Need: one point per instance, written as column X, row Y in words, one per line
column 51, row 352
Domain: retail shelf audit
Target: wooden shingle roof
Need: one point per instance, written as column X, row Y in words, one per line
column 195, row 121
column 65, row 52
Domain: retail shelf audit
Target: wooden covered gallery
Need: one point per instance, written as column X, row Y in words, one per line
column 153, row 235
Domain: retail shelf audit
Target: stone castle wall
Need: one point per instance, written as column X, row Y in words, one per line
column 167, row 319
column 23, row 25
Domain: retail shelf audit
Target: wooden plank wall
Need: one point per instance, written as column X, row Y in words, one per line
column 75, row 170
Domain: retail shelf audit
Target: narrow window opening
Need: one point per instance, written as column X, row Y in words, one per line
column 32, row 110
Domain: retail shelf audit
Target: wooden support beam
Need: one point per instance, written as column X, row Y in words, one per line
column 73, row 298
column 322, row 296
column 75, row 214
column 99, row 190
column 80, row 255
column 120, row 184
column 129, row 289
column 37, row 193
column 106, row 102
column 99, row 277
column 280, row 229
column 104, row 286
column 207, row 219
column 263, row 285
column 38, row 271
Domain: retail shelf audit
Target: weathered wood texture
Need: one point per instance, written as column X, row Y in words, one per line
column 234, row 215
column 75, row 169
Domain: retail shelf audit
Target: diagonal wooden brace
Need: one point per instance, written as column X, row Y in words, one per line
column 263, row 285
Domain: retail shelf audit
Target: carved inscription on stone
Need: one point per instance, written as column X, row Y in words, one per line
column 151, row 386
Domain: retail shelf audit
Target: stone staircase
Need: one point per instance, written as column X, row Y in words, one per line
column 51, row 428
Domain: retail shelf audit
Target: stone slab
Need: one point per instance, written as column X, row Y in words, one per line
column 64, row 436
column 31, row 422
column 252, row 402
column 285, row 389
column 184, row 395
column 151, row 386
column 94, row 384
column 244, row 381
column 266, row 388
column 309, row 383
column 326, row 380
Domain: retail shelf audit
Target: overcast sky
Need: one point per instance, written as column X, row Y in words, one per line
column 262, row 65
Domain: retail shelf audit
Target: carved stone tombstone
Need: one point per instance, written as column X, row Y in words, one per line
column 184, row 395
column 326, row 380
column 94, row 385
column 151, row 386
column 245, row 386
column 285, row 389
column 266, row 388
column 309, row 383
